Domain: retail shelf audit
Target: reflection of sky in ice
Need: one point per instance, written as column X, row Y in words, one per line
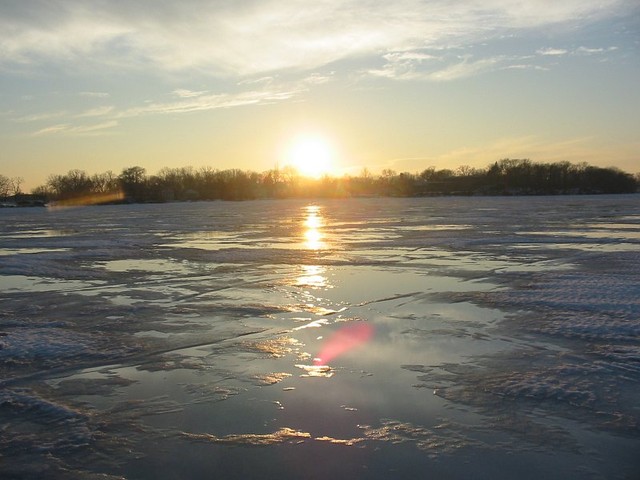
column 313, row 277
column 494, row 338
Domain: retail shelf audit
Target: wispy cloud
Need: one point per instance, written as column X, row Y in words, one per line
column 53, row 129
column 263, row 91
column 594, row 51
column 38, row 117
column 407, row 65
column 466, row 68
column 553, row 52
column 68, row 129
column 203, row 102
column 255, row 37
column 184, row 93
column 94, row 94
column 97, row 112
column 525, row 66
column 558, row 52
column 420, row 66
column 183, row 101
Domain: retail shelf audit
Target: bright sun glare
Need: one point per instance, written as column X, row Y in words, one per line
column 311, row 156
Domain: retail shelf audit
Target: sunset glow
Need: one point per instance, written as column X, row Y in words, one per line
column 327, row 88
column 311, row 156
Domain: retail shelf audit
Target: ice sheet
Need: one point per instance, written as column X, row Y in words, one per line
column 502, row 339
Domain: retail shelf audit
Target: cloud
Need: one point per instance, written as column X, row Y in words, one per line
column 97, row 112
column 258, row 81
column 419, row 66
column 406, row 65
column 265, row 91
column 552, row 52
column 53, row 129
column 37, row 117
column 580, row 51
column 94, row 128
column 466, row 68
column 594, row 51
column 525, row 66
column 187, row 101
column 589, row 51
column 318, row 79
column 184, row 93
column 94, row 94
column 68, row 129
column 254, row 37
column 203, row 102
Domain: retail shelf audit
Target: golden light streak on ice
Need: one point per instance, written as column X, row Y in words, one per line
column 313, row 234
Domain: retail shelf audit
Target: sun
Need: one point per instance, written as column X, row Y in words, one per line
column 311, row 156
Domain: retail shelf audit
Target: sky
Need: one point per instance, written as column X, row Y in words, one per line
column 405, row 85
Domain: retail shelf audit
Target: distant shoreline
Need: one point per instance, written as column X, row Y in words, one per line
column 54, row 204
column 507, row 177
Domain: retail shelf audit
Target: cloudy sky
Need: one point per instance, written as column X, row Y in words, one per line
column 106, row 84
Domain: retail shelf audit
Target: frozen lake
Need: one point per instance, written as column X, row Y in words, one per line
column 485, row 338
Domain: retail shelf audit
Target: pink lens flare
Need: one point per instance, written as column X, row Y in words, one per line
column 344, row 340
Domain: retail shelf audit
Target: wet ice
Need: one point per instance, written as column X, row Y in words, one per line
column 505, row 344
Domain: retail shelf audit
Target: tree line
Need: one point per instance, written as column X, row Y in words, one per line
column 10, row 186
column 503, row 177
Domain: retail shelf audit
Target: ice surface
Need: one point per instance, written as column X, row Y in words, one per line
column 502, row 339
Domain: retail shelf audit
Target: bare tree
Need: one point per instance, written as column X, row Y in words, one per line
column 5, row 186
column 16, row 182
column 466, row 171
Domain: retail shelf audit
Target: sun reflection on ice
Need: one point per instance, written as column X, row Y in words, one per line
column 313, row 233
column 312, row 276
